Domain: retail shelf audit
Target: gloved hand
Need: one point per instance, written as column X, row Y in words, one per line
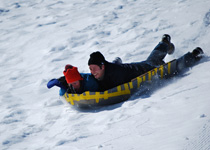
column 52, row 83
column 62, row 91
column 71, row 89
column 55, row 82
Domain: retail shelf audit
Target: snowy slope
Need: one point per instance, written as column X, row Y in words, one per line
column 38, row 38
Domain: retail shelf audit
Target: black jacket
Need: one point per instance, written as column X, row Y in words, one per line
column 117, row 74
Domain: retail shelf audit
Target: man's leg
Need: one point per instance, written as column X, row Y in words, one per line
column 160, row 51
column 189, row 59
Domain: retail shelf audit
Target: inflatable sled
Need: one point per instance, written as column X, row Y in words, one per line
column 121, row 92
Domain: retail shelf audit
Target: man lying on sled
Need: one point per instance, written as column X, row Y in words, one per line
column 110, row 75
column 106, row 75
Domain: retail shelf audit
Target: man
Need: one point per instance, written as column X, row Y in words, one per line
column 74, row 82
column 110, row 75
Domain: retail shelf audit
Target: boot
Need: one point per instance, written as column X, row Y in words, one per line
column 167, row 39
column 117, row 60
column 198, row 52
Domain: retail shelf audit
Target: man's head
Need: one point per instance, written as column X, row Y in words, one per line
column 72, row 77
column 97, row 65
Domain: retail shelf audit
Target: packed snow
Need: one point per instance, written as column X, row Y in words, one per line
column 38, row 38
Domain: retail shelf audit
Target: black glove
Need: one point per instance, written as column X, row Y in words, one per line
column 71, row 89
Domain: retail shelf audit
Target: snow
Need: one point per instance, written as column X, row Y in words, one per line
column 38, row 38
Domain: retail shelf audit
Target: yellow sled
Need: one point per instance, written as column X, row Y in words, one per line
column 122, row 92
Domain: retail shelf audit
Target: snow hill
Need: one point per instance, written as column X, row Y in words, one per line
column 39, row 37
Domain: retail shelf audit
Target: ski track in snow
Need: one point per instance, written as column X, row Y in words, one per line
column 38, row 38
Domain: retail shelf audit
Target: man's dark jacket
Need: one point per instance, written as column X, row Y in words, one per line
column 117, row 74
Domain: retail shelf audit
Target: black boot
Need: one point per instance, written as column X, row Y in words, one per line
column 117, row 60
column 167, row 39
column 198, row 52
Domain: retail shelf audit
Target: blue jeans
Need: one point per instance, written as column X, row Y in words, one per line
column 157, row 55
column 155, row 59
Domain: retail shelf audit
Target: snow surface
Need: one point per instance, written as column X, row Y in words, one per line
column 38, row 38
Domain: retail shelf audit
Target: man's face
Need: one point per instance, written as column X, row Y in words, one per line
column 97, row 71
column 76, row 85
